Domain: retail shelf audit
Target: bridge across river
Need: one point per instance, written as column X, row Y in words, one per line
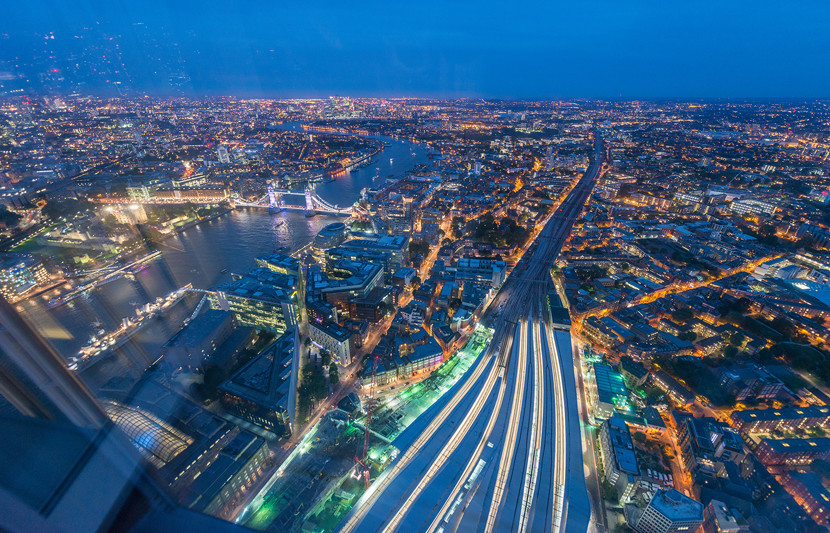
column 274, row 200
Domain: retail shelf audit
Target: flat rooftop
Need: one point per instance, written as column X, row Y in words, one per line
column 677, row 507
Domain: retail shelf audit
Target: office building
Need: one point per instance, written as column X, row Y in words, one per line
column 669, row 511
column 20, row 274
column 677, row 392
column 334, row 338
column 373, row 306
column 261, row 299
column 344, row 281
column 395, row 246
column 330, row 236
column 618, row 458
column 385, row 260
column 237, row 466
column 607, row 391
column 751, row 381
column 754, row 207
column 280, row 263
column 718, row 518
column 489, row 272
column 197, row 341
column 263, row 391
column 633, row 372
column 707, row 444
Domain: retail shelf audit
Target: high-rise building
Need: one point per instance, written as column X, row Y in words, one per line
column 222, row 153
column 262, row 299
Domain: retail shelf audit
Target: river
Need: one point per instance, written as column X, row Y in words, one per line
column 199, row 255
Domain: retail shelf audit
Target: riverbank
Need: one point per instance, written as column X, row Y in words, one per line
column 197, row 221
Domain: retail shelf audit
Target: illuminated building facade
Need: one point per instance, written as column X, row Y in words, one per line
column 334, row 338
column 19, row 274
column 257, row 304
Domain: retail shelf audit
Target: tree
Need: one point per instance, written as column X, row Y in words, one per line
column 805, row 242
column 784, row 326
column 415, row 283
column 57, row 209
column 150, row 234
column 325, row 357
column 361, row 225
column 334, row 374
column 303, row 400
column 690, row 336
column 455, row 303
column 387, row 309
column 737, row 339
column 639, row 436
column 119, row 189
column 458, row 224
column 418, row 248
column 608, row 492
column 314, row 384
column 821, row 467
column 682, row 315
column 8, row 218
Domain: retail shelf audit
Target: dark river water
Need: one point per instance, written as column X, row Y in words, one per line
column 198, row 256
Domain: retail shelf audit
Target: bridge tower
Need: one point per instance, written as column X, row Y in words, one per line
column 273, row 200
column 309, row 200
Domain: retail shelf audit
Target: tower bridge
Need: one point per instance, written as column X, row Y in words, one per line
column 274, row 200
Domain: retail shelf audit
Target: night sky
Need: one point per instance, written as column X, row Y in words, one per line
column 551, row 49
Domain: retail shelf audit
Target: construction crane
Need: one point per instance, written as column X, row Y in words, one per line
column 361, row 468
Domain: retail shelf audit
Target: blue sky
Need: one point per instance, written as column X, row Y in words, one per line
column 550, row 49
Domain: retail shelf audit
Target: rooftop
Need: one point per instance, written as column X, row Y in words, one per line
column 265, row 379
column 200, row 328
column 610, row 385
column 813, row 411
column 677, row 507
column 798, row 445
column 623, row 446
